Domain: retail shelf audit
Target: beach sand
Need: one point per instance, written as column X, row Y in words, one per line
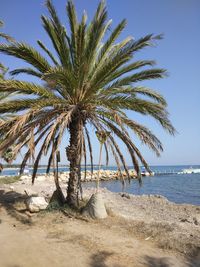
column 140, row 231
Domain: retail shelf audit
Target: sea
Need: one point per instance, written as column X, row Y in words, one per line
column 168, row 181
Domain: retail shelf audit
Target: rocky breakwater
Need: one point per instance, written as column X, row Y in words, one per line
column 104, row 175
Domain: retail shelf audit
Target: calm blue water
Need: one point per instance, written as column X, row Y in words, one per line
column 179, row 188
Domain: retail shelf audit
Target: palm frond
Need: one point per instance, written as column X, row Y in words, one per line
column 11, row 86
column 27, row 53
column 28, row 71
column 58, row 32
column 48, row 52
column 5, row 36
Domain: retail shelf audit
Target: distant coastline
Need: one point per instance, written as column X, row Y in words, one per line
column 17, row 166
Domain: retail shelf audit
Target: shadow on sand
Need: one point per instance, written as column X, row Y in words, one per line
column 99, row 259
column 167, row 262
column 157, row 262
column 13, row 203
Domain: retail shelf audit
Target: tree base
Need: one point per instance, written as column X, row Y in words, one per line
column 95, row 207
column 58, row 198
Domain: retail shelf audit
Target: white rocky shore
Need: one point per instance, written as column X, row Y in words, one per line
column 104, row 175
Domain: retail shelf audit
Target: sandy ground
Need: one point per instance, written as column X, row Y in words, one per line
column 142, row 231
column 56, row 240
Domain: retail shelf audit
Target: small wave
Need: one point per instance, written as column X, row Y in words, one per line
column 184, row 171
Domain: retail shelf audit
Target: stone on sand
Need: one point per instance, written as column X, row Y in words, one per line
column 35, row 204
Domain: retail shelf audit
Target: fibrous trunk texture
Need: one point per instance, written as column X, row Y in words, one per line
column 57, row 194
column 74, row 157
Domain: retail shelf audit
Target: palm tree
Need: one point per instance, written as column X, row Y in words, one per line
column 9, row 39
column 3, row 69
column 3, row 95
column 7, row 155
column 89, row 79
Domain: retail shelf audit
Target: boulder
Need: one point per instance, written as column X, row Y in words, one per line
column 95, row 207
column 35, row 204
column 11, row 188
column 88, row 179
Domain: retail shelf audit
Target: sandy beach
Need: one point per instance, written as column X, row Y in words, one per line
column 140, row 231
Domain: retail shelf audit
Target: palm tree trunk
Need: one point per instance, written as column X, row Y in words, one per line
column 98, row 175
column 74, row 157
column 57, row 194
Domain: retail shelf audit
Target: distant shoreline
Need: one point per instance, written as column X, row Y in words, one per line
column 16, row 167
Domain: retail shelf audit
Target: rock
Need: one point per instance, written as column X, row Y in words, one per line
column 196, row 219
column 11, row 188
column 125, row 195
column 95, row 207
column 184, row 220
column 35, row 204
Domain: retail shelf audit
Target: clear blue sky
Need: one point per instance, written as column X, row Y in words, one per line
column 179, row 21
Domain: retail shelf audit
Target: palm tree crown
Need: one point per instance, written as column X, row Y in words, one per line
column 87, row 80
column 7, row 38
column 3, row 69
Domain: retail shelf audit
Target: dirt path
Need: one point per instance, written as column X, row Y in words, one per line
column 54, row 240
column 138, row 233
